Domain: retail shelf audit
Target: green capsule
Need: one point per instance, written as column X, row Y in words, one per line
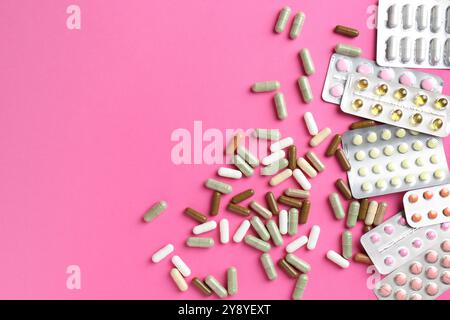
column 257, row 243
column 249, row 157
column 215, row 286
column 260, row 228
column 308, row 64
column 280, row 105
column 297, row 25
column 266, row 86
column 155, row 210
column 232, row 281
column 300, row 286
column 298, row 263
column 267, row 134
column 336, row 204
column 218, row 186
column 268, row 265
column 293, row 221
column 282, row 20
column 242, row 165
column 352, row 215
column 347, row 50
column 347, row 247
column 273, row 168
column 274, row 233
column 305, row 89
column 197, row 242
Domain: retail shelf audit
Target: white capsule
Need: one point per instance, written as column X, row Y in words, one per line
column 422, row 18
column 405, row 49
column 249, row 157
column 447, row 53
column 271, row 158
column 447, row 20
column 436, row 19
column 313, row 237
column 391, row 48
column 241, row 231
column 320, row 137
column 296, row 244
column 420, row 50
column 306, row 167
column 393, row 16
column 280, row 177
column 181, row 266
column 162, row 253
column 204, row 227
column 408, row 16
column 281, row 144
column 267, row 134
column 301, row 179
column 224, row 231
column 283, row 222
column 229, row 173
column 435, row 51
column 178, row 279
column 311, row 124
column 338, row 259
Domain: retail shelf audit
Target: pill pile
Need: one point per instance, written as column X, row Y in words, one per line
column 403, row 154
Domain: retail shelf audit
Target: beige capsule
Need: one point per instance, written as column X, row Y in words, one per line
column 178, row 279
column 306, row 167
column 283, row 175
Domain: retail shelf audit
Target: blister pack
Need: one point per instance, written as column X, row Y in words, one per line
column 425, row 277
column 341, row 67
column 386, row 159
column 414, row 33
column 393, row 243
column 428, row 206
column 392, row 103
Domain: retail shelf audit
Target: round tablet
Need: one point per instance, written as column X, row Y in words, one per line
column 407, row 79
column 431, row 272
column 364, row 68
column 362, row 172
column 400, row 133
column 412, row 198
column 402, row 221
column 432, row 143
column 428, row 84
column 431, row 235
column 381, row 184
column 439, row 174
column 388, row 229
column 400, row 279
column 388, row 150
column 417, row 243
column 375, row 238
column 366, row 187
column 360, row 155
column 372, row 137
column 445, row 226
column 444, row 192
column 390, row 167
column 342, row 65
column 405, row 164
column 424, row 176
column 400, row 294
column 389, row 260
column 445, row 261
column 386, row 74
column 420, row 161
column 402, row 148
column 337, row 90
column 445, row 245
column 415, row 296
column 376, row 169
column 416, row 217
column 427, row 195
column 395, row 182
column 413, row 132
column 434, row 159
column 386, row 134
column 417, row 145
column 416, row 283
column 410, row 179
column 374, row 153
column 403, row 252
column 415, row 267
column 385, row 290
column 357, row 139
column 445, row 278
column 432, row 289
column 431, row 256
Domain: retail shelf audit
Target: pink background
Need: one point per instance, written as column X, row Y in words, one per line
column 85, row 123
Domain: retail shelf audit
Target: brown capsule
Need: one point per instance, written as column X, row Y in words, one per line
column 286, row 267
column 342, row 159
column 363, row 209
column 194, row 214
column 272, row 203
column 379, row 216
column 346, row 31
column 333, row 146
column 233, row 143
column 344, row 189
column 291, row 202
column 215, row 203
column 362, row 124
column 244, row 195
column 292, row 157
column 304, row 212
column 201, row 286
column 296, row 193
column 367, row 228
column 243, row 211
column 362, row 258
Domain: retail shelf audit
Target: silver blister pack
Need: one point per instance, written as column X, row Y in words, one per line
column 413, row 33
column 341, row 67
column 393, row 243
column 386, row 159
column 392, row 103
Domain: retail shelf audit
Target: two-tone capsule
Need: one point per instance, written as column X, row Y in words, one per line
column 155, row 211
column 305, row 89
column 268, row 266
column 280, row 106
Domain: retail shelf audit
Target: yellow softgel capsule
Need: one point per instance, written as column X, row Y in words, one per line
column 400, row 94
column 420, row 99
column 382, row 89
column 396, row 115
column 357, row 104
column 376, row 109
column 436, row 124
column 362, row 84
column 416, row 119
column 441, row 103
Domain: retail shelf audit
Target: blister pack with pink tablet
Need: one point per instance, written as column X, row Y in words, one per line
column 425, row 277
column 393, row 243
column 341, row 67
column 428, row 206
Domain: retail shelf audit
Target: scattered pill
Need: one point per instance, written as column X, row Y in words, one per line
column 308, row 64
column 313, row 237
column 342, row 160
column 347, row 245
column 181, row 266
column 274, row 232
column 281, row 144
column 363, row 209
column 272, row 203
column 280, row 177
column 338, row 259
column 352, row 215
column 155, row 211
column 320, row 137
column 306, row 167
column 215, row 203
column 234, row 142
column 297, row 25
column 224, row 228
column 241, row 231
column 216, row 287
column 199, row 284
column 315, row 161
column 283, row 222
column 265, row 86
column 305, row 89
column 296, row 244
column 292, row 221
column 347, row 50
column 280, row 106
column 204, row 227
column 273, row 168
column 346, row 31
column 362, row 124
column 249, row 157
column 304, row 212
column 244, row 195
column 298, row 263
column 232, row 281
column 235, row 208
column 196, row 242
column 362, row 258
column 218, row 186
column 261, row 210
column 260, row 228
column 311, row 124
column 257, row 243
column 243, row 166
column 296, row 193
column 333, row 146
column 267, row 134
column 287, row 268
column 271, row 158
column 195, row 215
column 337, row 206
column 178, row 279
column 379, row 216
column 343, row 187
column 162, row 253
column 268, row 266
column 300, row 286
column 371, row 212
column 292, row 157
column 282, row 20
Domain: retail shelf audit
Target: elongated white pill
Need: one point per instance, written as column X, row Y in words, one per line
column 281, row 144
column 241, row 231
column 249, row 157
column 271, row 158
column 181, row 266
column 224, row 231
column 301, row 179
column 338, row 259
column 313, row 237
column 178, row 279
column 296, row 244
column 273, row 168
column 311, row 124
column 204, row 227
column 162, row 253
column 229, row 173
column 283, row 222
column 279, row 178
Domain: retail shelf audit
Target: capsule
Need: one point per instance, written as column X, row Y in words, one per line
column 435, row 51
column 333, row 146
column 269, row 267
column 260, row 228
column 216, row 287
column 343, row 187
column 280, row 177
column 283, row 222
column 241, row 231
column 306, row 167
column 300, row 286
column 422, row 18
column 405, row 49
column 304, row 212
column 215, row 203
column 261, row 210
column 292, row 157
column 363, row 209
column 342, row 160
column 419, row 50
column 293, row 221
column 296, row 193
column 315, row 161
column 281, row 144
column 371, row 212
column 379, row 216
column 257, row 243
column 274, row 233
column 235, row 208
column 367, row 228
column 305, row 89
column 391, row 48
column 249, row 157
column 272, row 203
column 274, row 156
column 224, row 231
column 297, row 25
column 311, row 124
column 291, row 202
column 196, row 242
column 162, row 253
column 194, row 214
column 338, row 259
column 282, row 19
column 298, row 263
column 266, row 86
column 204, row 227
column 337, row 206
column 436, row 19
column 201, row 286
column 244, row 195
column 233, row 143
column 447, row 20
column 347, row 246
column 267, row 134
column 290, row 271
column 346, row 31
column 362, row 258
column 155, row 211
column 274, row 167
column 280, row 106
column 178, row 279
column 296, row 244
column 218, row 186
column 347, row 50
column 242, row 165
column 352, row 215
column 181, row 266
column 232, row 281
column 320, row 137
column 408, row 16
column 447, row 51
column 308, row 64
column 393, row 16
column 362, row 124
column 313, row 237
